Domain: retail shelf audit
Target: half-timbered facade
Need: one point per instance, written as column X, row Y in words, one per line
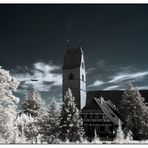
column 101, row 116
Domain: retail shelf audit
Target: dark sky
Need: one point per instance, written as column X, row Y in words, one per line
column 114, row 39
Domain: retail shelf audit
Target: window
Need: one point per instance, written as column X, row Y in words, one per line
column 82, row 77
column 82, row 65
column 96, row 116
column 71, row 76
column 100, row 116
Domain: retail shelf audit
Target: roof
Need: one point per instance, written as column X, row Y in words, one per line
column 92, row 106
column 101, row 105
column 72, row 58
column 113, row 95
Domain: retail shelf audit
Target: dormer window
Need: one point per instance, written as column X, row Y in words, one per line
column 71, row 76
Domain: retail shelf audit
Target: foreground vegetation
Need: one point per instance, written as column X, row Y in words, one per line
column 37, row 124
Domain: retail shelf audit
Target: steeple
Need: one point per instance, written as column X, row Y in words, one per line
column 74, row 75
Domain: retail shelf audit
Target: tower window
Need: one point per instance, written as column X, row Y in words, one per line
column 82, row 77
column 82, row 65
column 71, row 76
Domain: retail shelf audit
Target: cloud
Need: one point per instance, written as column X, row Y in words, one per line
column 143, row 87
column 122, row 75
column 101, row 63
column 96, row 83
column 112, row 87
column 40, row 76
column 128, row 76
column 90, row 70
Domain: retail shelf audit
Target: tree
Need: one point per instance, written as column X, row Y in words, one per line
column 8, row 105
column 34, row 107
column 134, row 111
column 96, row 138
column 34, row 104
column 23, row 123
column 120, row 136
column 50, row 124
column 129, row 137
column 70, row 120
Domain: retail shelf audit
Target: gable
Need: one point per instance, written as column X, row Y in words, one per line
column 99, row 105
column 92, row 106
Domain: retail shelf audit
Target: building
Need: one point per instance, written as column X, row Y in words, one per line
column 74, row 75
column 98, row 114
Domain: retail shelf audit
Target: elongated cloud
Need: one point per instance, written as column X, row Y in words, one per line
column 96, row 83
column 90, row 70
column 112, row 87
column 124, row 76
column 120, row 78
column 41, row 76
column 142, row 87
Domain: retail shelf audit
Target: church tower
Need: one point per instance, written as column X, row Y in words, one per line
column 74, row 75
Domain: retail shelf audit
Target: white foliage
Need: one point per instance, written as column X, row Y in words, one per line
column 22, row 122
column 8, row 104
column 39, row 139
column 8, row 84
column 2, row 140
column 134, row 111
column 34, row 104
column 49, row 124
column 129, row 137
column 85, row 141
column 25, row 128
column 34, row 108
column 120, row 136
column 70, row 121
column 96, row 139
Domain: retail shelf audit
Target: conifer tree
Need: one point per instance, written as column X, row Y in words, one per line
column 50, row 124
column 70, row 121
column 33, row 107
column 34, row 104
column 96, row 138
column 133, row 111
column 129, row 137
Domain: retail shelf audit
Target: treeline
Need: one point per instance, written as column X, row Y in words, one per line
column 36, row 123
